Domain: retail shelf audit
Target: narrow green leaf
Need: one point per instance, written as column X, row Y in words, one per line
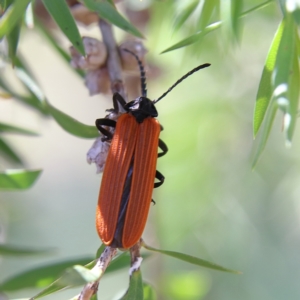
column 29, row 83
column 10, row 250
column 184, row 14
column 12, row 16
column 206, row 13
column 14, row 129
column 31, row 101
column 285, row 88
column 236, row 10
column 18, row 179
column 283, row 72
column 270, row 115
column 78, row 275
column 6, row 150
column 199, row 35
column 230, row 16
column 192, row 259
column 60, row 12
column 293, row 95
column 123, row 260
column 41, row 276
column 149, row 292
column 109, row 13
column 135, row 290
column 226, row 18
column 12, row 41
column 51, row 289
column 194, row 38
column 265, row 89
column 284, row 59
column 71, row 125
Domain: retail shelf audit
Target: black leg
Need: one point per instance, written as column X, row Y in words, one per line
column 163, row 147
column 105, row 122
column 153, row 201
column 118, row 98
column 161, row 179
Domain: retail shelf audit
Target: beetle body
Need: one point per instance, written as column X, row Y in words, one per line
column 128, row 191
column 130, row 170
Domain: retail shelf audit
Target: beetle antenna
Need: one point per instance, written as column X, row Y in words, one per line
column 181, row 79
column 142, row 72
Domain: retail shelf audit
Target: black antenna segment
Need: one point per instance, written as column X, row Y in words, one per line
column 181, row 79
column 142, row 72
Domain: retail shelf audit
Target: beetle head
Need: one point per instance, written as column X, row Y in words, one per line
column 141, row 108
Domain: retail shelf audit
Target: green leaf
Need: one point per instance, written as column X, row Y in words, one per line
column 71, row 125
column 14, row 129
column 149, row 292
column 265, row 89
column 28, row 80
column 31, row 101
column 236, row 10
column 12, row 41
column 18, row 179
column 117, row 263
column 10, row 250
column 200, row 34
column 230, row 15
column 6, row 150
column 135, row 291
column 110, row 14
column 192, row 259
column 78, row 275
column 293, row 96
column 195, row 37
column 270, row 115
column 60, row 12
column 284, row 58
column 41, row 276
column 184, row 14
column 206, row 13
column 12, row 16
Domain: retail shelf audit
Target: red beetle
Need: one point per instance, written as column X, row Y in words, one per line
column 130, row 169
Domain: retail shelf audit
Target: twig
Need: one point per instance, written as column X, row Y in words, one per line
column 113, row 61
column 136, row 258
column 91, row 288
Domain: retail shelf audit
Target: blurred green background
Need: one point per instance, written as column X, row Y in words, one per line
column 212, row 204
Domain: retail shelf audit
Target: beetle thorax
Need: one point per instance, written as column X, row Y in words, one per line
column 141, row 108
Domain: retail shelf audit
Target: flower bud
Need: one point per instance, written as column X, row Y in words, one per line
column 128, row 60
column 96, row 55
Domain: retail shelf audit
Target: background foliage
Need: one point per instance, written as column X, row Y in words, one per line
column 212, row 204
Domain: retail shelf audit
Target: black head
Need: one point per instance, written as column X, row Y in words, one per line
column 141, row 108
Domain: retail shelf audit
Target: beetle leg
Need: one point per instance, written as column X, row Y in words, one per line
column 163, row 147
column 105, row 122
column 153, row 201
column 118, row 98
column 161, row 179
